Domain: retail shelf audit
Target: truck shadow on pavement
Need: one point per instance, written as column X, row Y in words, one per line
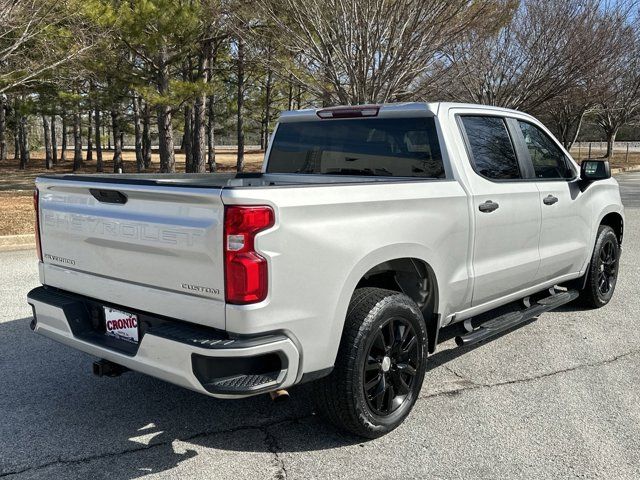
column 59, row 421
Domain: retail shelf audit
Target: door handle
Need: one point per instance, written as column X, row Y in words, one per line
column 550, row 200
column 488, row 206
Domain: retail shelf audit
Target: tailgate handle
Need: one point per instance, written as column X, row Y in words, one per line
column 108, row 196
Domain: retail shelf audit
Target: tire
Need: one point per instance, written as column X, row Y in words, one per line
column 369, row 361
column 602, row 274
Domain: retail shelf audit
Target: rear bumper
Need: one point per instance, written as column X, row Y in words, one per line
column 201, row 359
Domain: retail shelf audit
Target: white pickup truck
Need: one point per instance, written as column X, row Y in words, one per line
column 369, row 230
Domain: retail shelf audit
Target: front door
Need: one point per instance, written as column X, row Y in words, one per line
column 565, row 231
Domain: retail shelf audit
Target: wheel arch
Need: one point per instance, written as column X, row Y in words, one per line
column 403, row 268
column 616, row 222
column 415, row 278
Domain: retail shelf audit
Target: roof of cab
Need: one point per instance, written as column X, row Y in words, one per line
column 390, row 110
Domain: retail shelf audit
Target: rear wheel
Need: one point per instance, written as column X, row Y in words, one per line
column 380, row 365
column 602, row 274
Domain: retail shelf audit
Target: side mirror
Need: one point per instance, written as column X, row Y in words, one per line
column 592, row 170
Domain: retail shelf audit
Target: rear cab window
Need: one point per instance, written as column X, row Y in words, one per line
column 391, row 147
column 492, row 153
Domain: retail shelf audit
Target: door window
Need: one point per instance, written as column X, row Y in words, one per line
column 490, row 146
column 547, row 158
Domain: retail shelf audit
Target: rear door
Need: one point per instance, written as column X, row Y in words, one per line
column 154, row 248
column 506, row 209
column 565, row 232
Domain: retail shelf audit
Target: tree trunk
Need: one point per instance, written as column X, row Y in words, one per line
column 48, row 155
column 199, row 117
column 146, row 136
column 117, row 140
column 77, row 142
column 187, row 138
column 574, row 138
column 16, row 143
column 63, row 153
column 3, row 127
column 109, row 146
column 211, row 136
column 137, row 125
column 611, row 138
column 165, row 140
column 24, row 142
column 290, row 96
column 267, row 107
column 262, row 130
column 211, row 116
column 54, row 140
column 240, row 125
column 98, row 124
column 165, row 128
column 16, row 129
column 89, row 139
column 199, row 135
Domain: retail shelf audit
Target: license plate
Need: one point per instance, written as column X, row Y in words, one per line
column 121, row 325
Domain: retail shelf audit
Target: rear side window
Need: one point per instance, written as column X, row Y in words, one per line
column 394, row 147
column 547, row 158
column 491, row 149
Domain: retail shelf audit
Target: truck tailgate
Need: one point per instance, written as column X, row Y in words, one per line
column 155, row 248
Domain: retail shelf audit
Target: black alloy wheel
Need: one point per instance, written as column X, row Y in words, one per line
column 380, row 365
column 608, row 267
column 602, row 274
column 391, row 366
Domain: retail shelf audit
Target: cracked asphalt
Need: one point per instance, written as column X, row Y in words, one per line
column 556, row 398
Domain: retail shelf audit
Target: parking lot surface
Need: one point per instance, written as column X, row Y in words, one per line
column 556, row 398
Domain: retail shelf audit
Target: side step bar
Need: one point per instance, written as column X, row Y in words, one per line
column 507, row 321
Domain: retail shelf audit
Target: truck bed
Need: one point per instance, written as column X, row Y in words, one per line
column 227, row 180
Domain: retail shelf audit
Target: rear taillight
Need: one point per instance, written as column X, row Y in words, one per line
column 36, row 207
column 246, row 272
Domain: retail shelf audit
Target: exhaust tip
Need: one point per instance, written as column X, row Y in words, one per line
column 279, row 396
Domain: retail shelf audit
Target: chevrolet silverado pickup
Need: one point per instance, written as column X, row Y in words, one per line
column 369, row 230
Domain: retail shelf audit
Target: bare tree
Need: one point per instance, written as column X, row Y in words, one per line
column 547, row 48
column 26, row 49
column 363, row 51
column 565, row 115
column 619, row 104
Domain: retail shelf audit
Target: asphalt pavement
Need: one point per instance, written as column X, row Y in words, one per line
column 557, row 398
